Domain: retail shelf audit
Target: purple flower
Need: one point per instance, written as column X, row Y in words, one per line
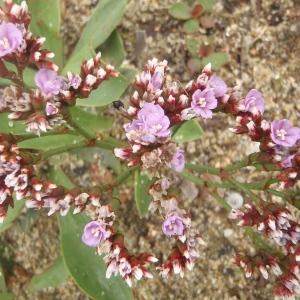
column 203, row 102
column 173, row 225
column 48, row 82
column 218, row 85
column 287, row 162
column 178, row 161
column 284, row 134
column 94, row 234
column 156, row 81
column 254, row 101
column 10, row 38
column 151, row 124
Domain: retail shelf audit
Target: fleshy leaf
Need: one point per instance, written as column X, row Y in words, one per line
column 191, row 26
column 87, row 269
column 217, row 60
column 90, row 122
column 12, row 127
column 105, row 18
column 112, row 50
column 50, row 142
column 207, row 5
column 46, row 21
column 142, row 198
column 180, row 11
column 187, row 132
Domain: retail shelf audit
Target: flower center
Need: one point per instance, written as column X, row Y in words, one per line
column 281, row 133
column 96, row 232
column 4, row 43
column 202, row 102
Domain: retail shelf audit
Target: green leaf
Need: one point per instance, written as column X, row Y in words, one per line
column 207, row 5
column 12, row 214
column 112, row 50
column 54, row 276
column 87, row 269
column 46, row 21
column 106, row 17
column 180, row 11
column 191, row 26
column 217, row 60
column 193, row 45
column 141, row 195
column 90, row 122
column 50, row 142
column 187, row 132
column 11, row 127
column 109, row 90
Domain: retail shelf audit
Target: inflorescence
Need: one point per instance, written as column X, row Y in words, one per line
column 156, row 108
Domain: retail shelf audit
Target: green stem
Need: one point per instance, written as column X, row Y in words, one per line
column 124, row 176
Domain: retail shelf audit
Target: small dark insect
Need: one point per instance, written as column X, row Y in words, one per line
column 118, row 104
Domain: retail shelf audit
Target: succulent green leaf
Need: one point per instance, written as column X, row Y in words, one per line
column 141, row 195
column 217, row 60
column 207, row 5
column 112, row 50
column 90, row 122
column 11, row 127
column 193, row 45
column 87, row 269
column 191, row 26
column 105, row 18
column 187, row 132
column 50, row 142
column 46, row 21
column 180, row 11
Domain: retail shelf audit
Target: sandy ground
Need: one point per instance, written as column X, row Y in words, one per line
column 263, row 41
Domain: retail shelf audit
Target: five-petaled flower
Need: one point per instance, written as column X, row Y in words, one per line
column 203, row 102
column 284, row 134
column 48, row 82
column 254, row 102
column 150, row 126
column 94, row 234
column 11, row 38
column 173, row 225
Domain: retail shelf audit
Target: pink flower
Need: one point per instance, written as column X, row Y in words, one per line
column 94, row 234
column 218, row 85
column 10, row 38
column 203, row 102
column 254, row 102
column 284, row 134
column 173, row 225
column 151, row 124
column 178, row 161
column 48, row 82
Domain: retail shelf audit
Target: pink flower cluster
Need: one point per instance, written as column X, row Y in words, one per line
column 42, row 108
column 176, row 224
column 99, row 233
column 155, row 107
column 17, row 176
column 276, row 223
